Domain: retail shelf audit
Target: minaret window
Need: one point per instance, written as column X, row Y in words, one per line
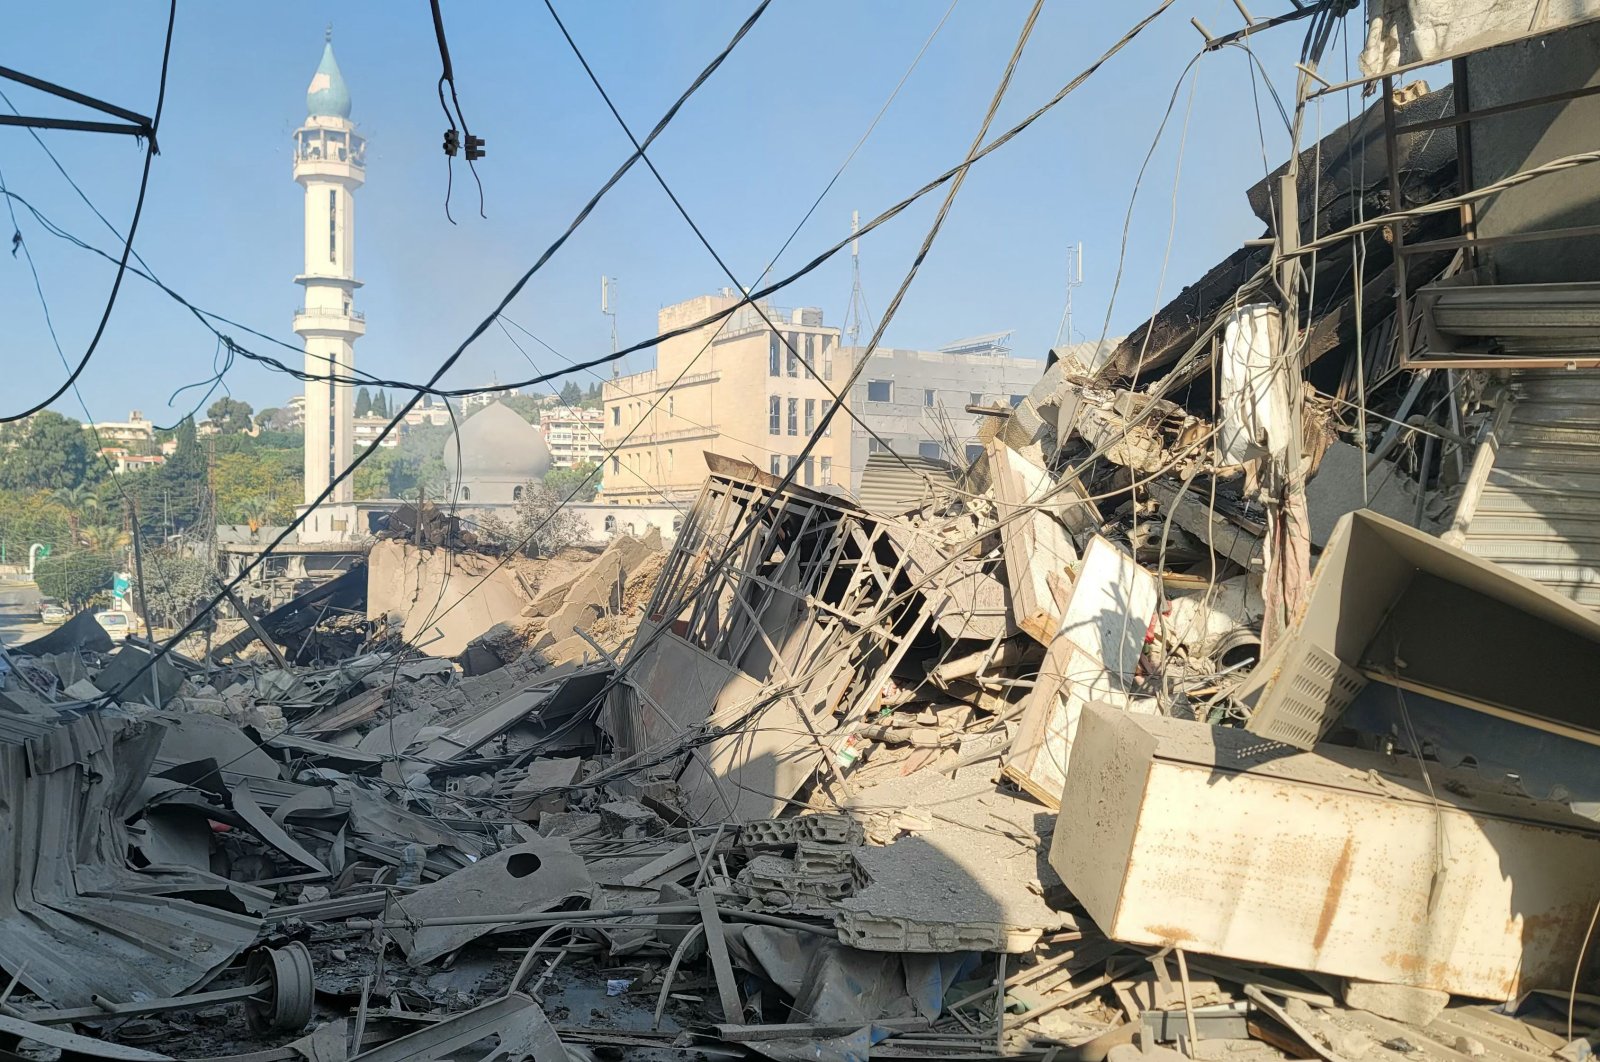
column 333, row 224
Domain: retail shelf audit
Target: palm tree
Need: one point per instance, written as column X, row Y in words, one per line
column 105, row 538
column 76, row 501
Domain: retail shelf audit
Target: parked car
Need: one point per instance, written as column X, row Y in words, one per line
column 54, row 614
column 116, row 624
column 46, row 604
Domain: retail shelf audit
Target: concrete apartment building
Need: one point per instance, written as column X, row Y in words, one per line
column 574, row 436
column 916, row 399
column 136, row 430
column 741, row 394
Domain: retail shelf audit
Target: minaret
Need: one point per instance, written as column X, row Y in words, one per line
column 330, row 160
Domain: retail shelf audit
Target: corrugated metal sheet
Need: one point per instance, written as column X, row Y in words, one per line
column 1539, row 513
column 888, row 486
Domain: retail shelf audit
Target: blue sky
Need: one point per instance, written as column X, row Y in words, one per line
column 747, row 156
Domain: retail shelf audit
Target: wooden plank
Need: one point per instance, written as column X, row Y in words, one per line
column 1039, row 554
column 721, row 965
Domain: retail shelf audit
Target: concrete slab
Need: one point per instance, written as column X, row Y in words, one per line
column 528, row 879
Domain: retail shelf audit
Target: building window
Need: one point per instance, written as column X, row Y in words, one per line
column 827, row 471
column 974, row 399
column 794, row 361
column 880, row 390
column 669, row 406
column 466, row 493
column 827, row 356
column 827, row 404
column 1016, row 400
column 974, row 451
column 811, row 352
column 516, row 493
column 669, row 459
column 808, row 473
column 927, row 397
column 333, row 223
column 876, row 445
column 772, row 354
column 775, row 415
column 811, row 415
column 616, row 415
column 611, row 525
column 776, row 466
column 616, row 466
column 929, row 450
column 794, row 416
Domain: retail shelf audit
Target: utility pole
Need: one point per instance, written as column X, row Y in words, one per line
column 138, row 565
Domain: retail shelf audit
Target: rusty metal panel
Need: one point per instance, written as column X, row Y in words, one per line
column 1337, row 861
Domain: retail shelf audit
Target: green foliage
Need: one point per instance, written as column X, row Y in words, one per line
column 363, row 402
column 376, row 475
column 259, row 485
column 380, row 404
column 275, row 419
column 571, row 394
column 525, row 407
column 230, row 416
column 47, row 452
column 175, row 492
column 581, row 482
column 27, row 517
column 593, row 397
column 74, row 576
column 266, row 440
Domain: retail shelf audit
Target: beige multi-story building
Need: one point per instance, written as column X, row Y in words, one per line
column 731, row 388
column 136, row 429
column 574, row 435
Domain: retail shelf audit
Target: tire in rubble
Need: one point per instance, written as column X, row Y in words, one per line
column 288, row 1001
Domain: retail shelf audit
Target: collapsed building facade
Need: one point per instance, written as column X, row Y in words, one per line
column 1234, row 702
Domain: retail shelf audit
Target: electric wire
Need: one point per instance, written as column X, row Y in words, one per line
column 483, row 326
column 133, row 225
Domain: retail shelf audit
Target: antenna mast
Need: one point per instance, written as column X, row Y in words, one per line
column 607, row 308
column 1074, row 280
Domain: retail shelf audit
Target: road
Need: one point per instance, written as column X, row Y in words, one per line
column 19, row 613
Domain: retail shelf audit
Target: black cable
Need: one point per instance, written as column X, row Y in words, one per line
column 483, row 326
column 448, row 75
column 127, row 246
column 760, row 310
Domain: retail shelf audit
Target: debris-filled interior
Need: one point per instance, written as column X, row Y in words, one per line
column 1230, row 704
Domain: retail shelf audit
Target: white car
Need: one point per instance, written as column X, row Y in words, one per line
column 116, row 624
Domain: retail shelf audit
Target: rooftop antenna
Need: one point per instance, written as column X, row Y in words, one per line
column 1074, row 280
column 607, row 287
column 858, row 302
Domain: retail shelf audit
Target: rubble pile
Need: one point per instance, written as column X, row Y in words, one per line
column 1234, row 703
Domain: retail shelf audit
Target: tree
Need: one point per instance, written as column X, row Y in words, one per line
column 571, row 394
column 363, row 403
column 258, row 485
column 175, row 583
column 27, row 517
column 544, row 525
column 230, row 416
column 274, row 419
column 50, row 452
column 525, row 406
column 176, row 490
column 74, row 576
column 594, row 397
column 580, row 483
column 374, row 476
column 380, row 404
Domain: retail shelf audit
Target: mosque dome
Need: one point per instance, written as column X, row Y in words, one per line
column 328, row 96
column 497, row 447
